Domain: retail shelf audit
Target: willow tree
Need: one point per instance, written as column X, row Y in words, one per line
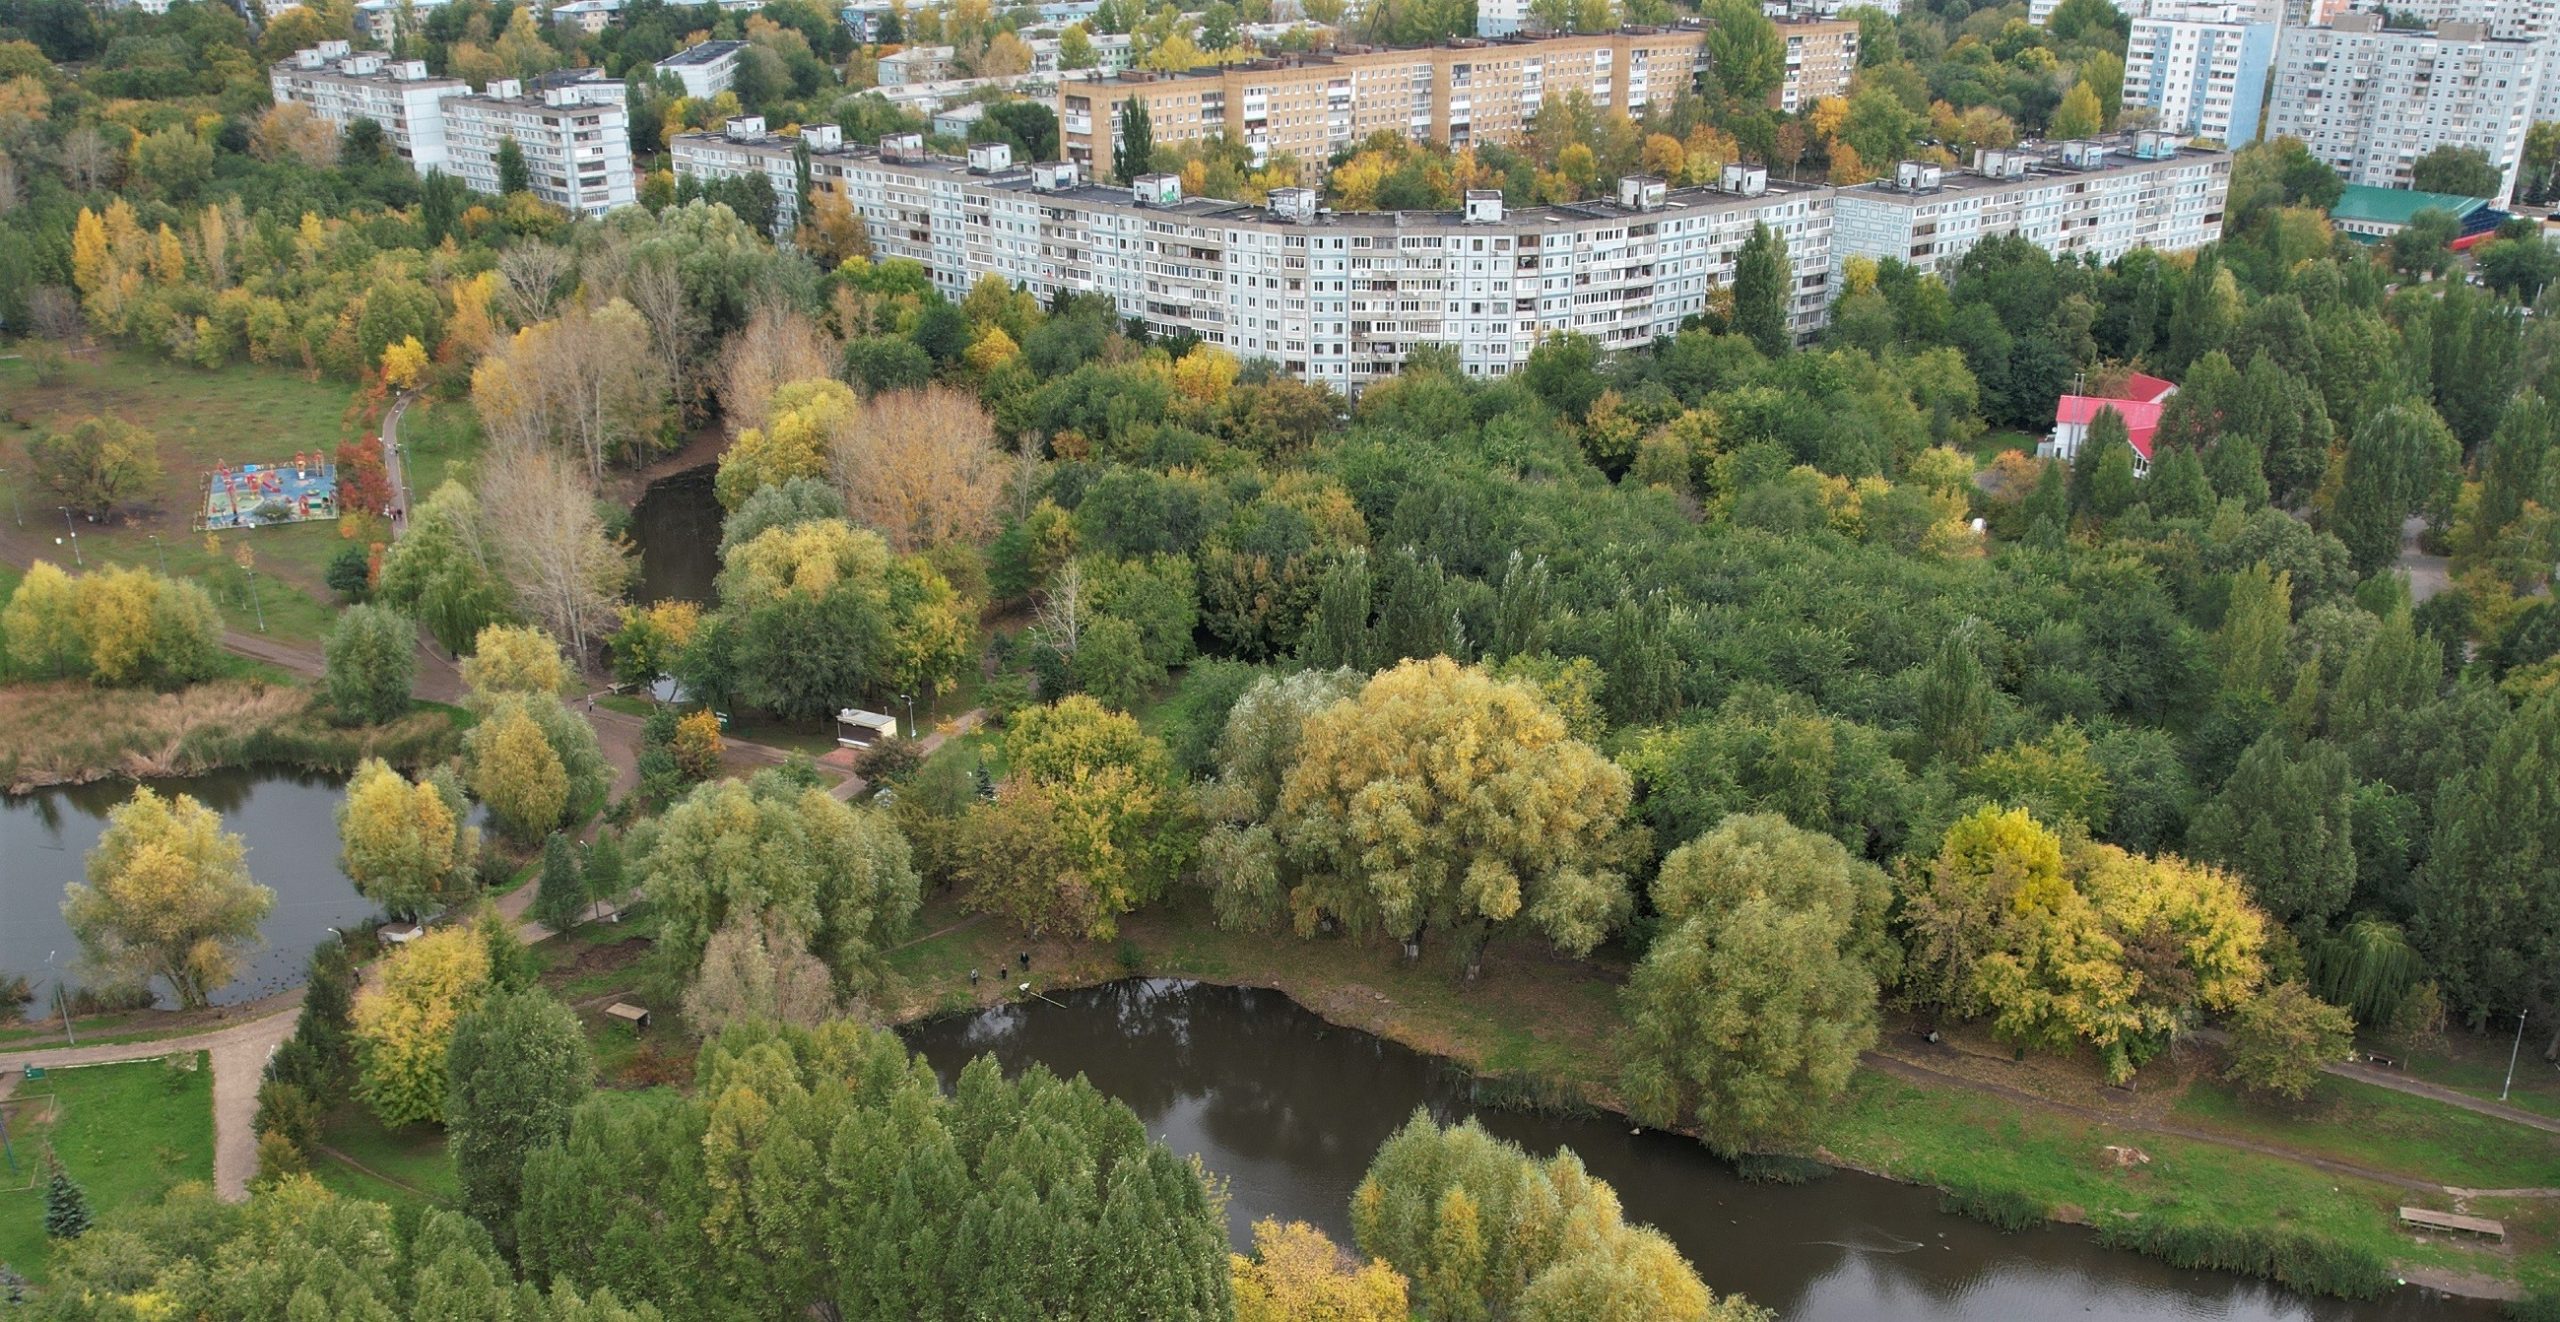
column 168, row 896
column 1441, row 797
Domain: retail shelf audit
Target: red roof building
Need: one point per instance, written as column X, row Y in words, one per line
column 2138, row 401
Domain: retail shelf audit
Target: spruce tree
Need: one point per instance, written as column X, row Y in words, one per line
column 562, row 897
column 66, row 1205
column 603, row 879
column 2488, row 899
column 1761, row 285
column 2178, row 487
column 1955, row 697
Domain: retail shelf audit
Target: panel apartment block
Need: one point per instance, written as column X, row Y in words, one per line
column 343, row 86
column 1340, row 299
column 2201, row 70
column 1312, row 106
column 2371, row 101
column 2095, row 199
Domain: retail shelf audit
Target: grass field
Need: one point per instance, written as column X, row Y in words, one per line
column 127, row 1133
column 405, row 1167
column 2386, row 1130
column 439, row 439
column 235, row 415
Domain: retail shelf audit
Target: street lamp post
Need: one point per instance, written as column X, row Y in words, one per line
column 60, row 1001
column 2512, row 1053
column 162, row 552
column 76, row 561
column 910, row 700
column 260, row 606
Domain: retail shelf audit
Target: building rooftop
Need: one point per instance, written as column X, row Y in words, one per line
column 1916, row 181
column 1322, row 59
column 709, row 52
column 2365, row 204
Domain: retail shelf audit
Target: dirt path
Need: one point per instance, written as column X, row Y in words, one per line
column 2428, row 574
column 2398, row 1082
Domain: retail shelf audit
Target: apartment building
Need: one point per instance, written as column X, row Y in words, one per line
column 577, row 153
column 1821, row 57
column 2371, row 101
column 744, row 147
column 343, row 86
column 577, row 146
column 2095, row 199
column 1311, row 106
column 706, row 69
column 2201, row 70
column 1335, row 298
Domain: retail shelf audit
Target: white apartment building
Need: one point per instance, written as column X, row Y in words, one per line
column 1335, row 298
column 745, row 148
column 706, row 70
column 917, row 64
column 2098, row 199
column 577, row 147
column 577, row 153
column 2371, row 101
column 343, row 86
column 2506, row 20
column 2201, row 70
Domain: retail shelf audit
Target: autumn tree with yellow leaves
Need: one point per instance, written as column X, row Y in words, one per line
column 404, row 843
column 404, row 1022
column 168, row 896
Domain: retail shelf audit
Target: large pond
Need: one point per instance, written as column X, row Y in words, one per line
column 1288, row 1109
column 287, row 819
column 676, row 527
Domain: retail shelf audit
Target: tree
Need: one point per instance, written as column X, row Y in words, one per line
column 1297, row 1274
column 1745, row 57
column 404, row 1022
column 439, row 571
column 2284, row 1038
column 1134, row 154
column 400, row 842
column 1751, row 1009
column 371, row 659
column 2079, row 116
column 2488, row 898
column 514, row 176
column 561, row 899
column 1763, row 291
column 1484, row 1230
column 2460, row 171
column 2256, row 626
column 2285, row 821
column 168, row 896
column 517, row 1069
column 1956, row 913
column 42, row 622
column 2397, row 460
column 839, row 876
column 404, row 365
column 2420, row 247
column 757, row 969
column 1089, row 825
column 510, row 660
column 512, row 768
column 1440, row 797
column 1955, row 700
column 682, row 1201
column 567, row 571
column 98, row 463
column 920, row 466
column 66, row 1205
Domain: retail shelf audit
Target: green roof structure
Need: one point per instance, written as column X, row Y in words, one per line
column 2367, row 208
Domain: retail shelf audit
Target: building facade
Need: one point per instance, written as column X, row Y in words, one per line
column 707, row 69
column 1339, row 299
column 1821, row 57
column 1312, row 106
column 2371, row 101
column 2094, row 199
column 577, row 153
column 343, row 86
column 576, row 145
column 2201, row 71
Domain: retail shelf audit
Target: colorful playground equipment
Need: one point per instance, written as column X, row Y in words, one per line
column 261, row 495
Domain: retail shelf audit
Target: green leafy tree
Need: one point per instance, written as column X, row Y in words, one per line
column 2285, row 821
column 98, row 463
column 1089, row 825
column 2080, row 115
column 2398, row 460
column 2256, row 627
column 1750, row 1011
column 838, row 875
column 517, row 1069
column 1484, row 1230
column 2281, row 1041
column 1763, row 289
column 168, row 896
column 1134, row 155
column 401, row 843
column 439, row 571
column 514, row 176
column 371, row 661
column 2488, row 898
column 1955, row 700
column 1441, row 798
column 2460, row 171
column 561, row 898
column 1745, row 56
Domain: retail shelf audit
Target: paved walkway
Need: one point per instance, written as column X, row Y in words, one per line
column 2399, row 1082
column 853, row 784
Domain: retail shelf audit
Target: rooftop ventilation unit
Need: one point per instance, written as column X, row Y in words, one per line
column 1642, row 192
column 1484, row 206
column 902, row 147
column 1918, row 177
column 990, row 157
column 1295, row 205
column 822, row 137
column 1053, row 176
column 1156, row 190
column 745, row 128
column 1747, row 180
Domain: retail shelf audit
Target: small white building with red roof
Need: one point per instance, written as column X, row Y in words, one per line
column 2138, row 400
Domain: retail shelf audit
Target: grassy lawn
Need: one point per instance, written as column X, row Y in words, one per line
column 405, row 1167
column 234, row 415
column 439, row 439
column 127, row 1133
column 1972, row 1142
column 1992, row 444
column 2386, row 1130
column 2477, row 1064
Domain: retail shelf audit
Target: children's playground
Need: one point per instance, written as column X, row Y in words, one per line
column 261, row 495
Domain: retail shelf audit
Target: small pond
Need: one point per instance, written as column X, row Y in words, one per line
column 287, row 818
column 1288, row 1109
column 676, row 527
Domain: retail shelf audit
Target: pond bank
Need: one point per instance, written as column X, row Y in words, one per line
column 72, row 733
column 1537, row 1027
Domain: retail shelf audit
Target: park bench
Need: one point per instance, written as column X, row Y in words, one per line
column 2429, row 1219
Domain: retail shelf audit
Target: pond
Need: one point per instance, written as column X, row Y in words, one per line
column 1288, row 1109
column 287, row 818
column 676, row 527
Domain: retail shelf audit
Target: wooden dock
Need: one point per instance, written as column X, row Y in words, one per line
column 2429, row 1219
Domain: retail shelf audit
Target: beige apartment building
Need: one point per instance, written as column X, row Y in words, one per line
column 1467, row 91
